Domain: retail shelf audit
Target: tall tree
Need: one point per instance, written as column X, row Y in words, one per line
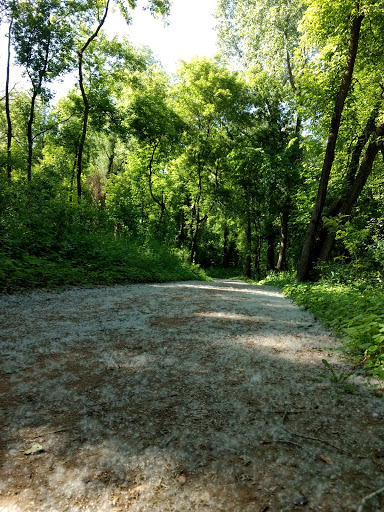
column 101, row 15
column 7, row 104
column 208, row 98
column 43, row 40
column 264, row 37
column 327, row 20
column 99, row 10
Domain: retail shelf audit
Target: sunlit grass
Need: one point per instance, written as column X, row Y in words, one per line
column 355, row 314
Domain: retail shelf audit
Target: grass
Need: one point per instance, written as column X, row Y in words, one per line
column 96, row 260
column 354, row 313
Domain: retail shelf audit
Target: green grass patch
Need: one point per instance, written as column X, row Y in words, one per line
column 96, row 260
column 354, row 314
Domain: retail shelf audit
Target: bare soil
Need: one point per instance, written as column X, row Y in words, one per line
column 180, row 397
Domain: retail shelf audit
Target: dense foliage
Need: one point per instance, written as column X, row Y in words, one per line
column 137, row 175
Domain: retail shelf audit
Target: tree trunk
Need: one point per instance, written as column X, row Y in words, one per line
column 7, row 107
column 30, row 136
column 282, row 261
column 195, row 233
column 353, row 193
column 160, row 203
column 270, row 253
column 80, row 56
column 305, row 265
column 258, row 258
column 248, row 261
column 226, row 253
column 36, row 92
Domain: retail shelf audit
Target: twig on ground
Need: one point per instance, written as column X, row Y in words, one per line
column 50, row 432
column 369, row 497
column 320, row 440
column 282, row 441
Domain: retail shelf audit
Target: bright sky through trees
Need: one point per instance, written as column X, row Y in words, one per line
column 190, row 32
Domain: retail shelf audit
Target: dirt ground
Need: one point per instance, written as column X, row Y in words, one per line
column 180, row 397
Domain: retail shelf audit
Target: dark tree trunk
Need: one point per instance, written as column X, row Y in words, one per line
column 73, row 173
column 36, row 92
column 282, row 261
column 182, row 236
column 111, row 158
column 305, row 265
column 159, row 202
column 258, row 257
column 361, row 142
column 7, row 107
column 195, row 233
column 353, row 193
column 30, row 136
column 248, row 261
column 87, row 108
column 271, row 253
column 226, row 248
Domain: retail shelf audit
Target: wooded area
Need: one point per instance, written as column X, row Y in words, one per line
column 222, row 166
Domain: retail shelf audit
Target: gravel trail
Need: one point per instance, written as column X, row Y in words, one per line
column 187, row 396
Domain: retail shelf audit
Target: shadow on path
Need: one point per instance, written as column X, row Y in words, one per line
column 179, row 397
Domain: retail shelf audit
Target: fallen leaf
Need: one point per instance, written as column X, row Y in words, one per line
column 35, row 448
column 325, row 459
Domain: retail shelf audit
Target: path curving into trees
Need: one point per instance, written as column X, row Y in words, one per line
column 195, row 396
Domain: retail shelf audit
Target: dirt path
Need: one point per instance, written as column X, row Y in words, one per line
column 179, row 397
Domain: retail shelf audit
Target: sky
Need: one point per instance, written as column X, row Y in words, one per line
column 190, row 32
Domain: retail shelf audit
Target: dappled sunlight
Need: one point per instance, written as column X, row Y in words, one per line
column 184, row 400
column 253, row 289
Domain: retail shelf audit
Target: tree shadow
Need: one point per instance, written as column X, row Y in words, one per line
column 180, row 396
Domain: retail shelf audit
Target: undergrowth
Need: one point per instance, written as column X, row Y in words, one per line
column 96, row 260
column 354, row 312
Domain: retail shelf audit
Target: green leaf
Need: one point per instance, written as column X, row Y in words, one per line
column 35, row 448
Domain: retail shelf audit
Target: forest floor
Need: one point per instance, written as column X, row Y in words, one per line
column 188, row 396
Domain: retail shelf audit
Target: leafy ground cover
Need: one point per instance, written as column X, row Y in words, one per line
column 96, row 260
column 353, row 309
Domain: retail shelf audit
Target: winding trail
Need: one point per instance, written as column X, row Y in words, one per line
column 179, row 397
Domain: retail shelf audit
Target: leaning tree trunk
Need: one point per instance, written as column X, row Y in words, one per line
column 7, row 107
column 87, row 107
column 354, row 191
column 305, row 265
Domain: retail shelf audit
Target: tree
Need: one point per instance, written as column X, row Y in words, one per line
column 99, row 14
column 317, row 18
column 209, row 98
column 157, row 128
column 42, row 37
column 7, row 105
column 270, row 50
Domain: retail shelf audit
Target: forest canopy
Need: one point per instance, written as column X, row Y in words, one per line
column 267, row 158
